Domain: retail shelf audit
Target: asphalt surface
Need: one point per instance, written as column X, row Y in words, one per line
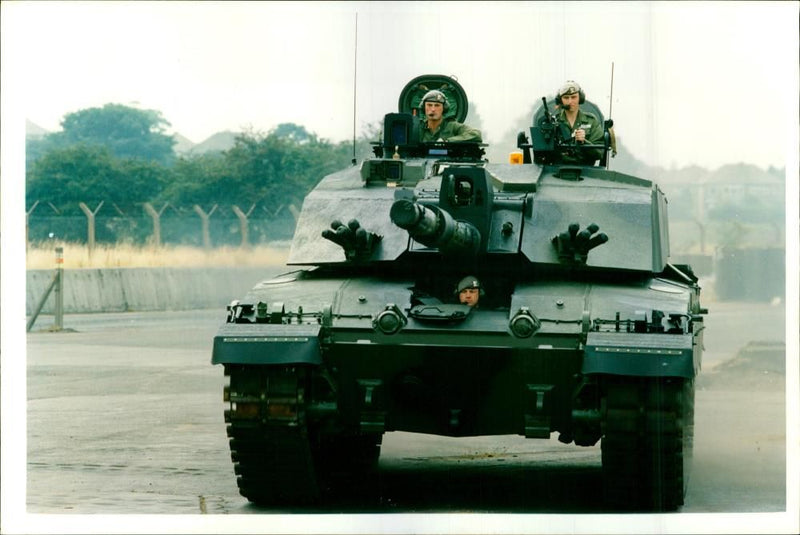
column 124, row 416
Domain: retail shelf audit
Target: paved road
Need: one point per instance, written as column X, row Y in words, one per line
column 124, row 416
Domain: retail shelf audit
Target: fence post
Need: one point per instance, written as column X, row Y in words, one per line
column 702, row 232
column 27, row 218
column 156, row 216
column 243, row 223
column 90, row 222
column 204, row 217
column 295, row 212
column 59, row 308
column 57, row 283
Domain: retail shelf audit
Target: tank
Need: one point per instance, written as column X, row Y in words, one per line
column 583, row 331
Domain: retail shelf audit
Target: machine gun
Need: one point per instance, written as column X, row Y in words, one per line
column 553, row 143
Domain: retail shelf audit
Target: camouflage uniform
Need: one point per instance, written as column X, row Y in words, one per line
column 594, row 136
column 450, row 130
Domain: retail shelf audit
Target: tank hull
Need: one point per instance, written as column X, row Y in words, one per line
column 325, row 384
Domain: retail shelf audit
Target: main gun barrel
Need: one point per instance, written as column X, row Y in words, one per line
column 433, row 227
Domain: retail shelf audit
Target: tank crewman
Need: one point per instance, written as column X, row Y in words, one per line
column 583, row 126
column 435, row 127
column 469, row 291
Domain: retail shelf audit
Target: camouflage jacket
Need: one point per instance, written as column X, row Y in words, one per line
column 450, row 130
column 594, row 136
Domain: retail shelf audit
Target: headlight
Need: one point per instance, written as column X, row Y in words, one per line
column 390, row 320
column 524, row 324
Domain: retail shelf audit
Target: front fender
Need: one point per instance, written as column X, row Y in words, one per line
column 264, row 343
column 639, row 354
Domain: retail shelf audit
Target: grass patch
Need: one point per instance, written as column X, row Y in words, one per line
column 77, row 255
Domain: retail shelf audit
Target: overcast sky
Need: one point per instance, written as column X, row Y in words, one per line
column 694, row 83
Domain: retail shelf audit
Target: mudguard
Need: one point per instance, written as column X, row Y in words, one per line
column 639, row 354
column 248, row 343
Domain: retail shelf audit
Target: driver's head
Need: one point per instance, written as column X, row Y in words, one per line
column 469, row 290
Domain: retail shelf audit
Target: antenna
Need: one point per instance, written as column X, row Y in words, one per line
column 611, row 94
column 355, row 77
column 609, row 126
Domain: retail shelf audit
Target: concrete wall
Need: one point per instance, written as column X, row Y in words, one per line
column 740, row 275
column 141, row 289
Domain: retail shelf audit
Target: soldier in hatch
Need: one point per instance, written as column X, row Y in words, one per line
column 469, row 291
column 435, row 127
column 583, row 127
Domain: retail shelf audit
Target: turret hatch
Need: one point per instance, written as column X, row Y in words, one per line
column 412, row 94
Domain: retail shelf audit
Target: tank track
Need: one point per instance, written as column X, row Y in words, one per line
column 281, row 456
column 647, row 442
column 272, row 453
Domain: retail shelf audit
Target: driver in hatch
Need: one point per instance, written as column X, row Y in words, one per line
column 469, row 291
column 436, row 128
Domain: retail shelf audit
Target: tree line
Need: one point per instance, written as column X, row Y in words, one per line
column 121, row 156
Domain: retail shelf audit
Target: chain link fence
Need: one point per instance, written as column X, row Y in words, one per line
column 216, row 226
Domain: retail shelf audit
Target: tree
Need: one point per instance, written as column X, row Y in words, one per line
column 273, row 169
column 197, row 179
column 90, row 174
column 126, row 132
column 293, row 132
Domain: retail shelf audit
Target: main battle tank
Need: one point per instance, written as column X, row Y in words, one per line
column 584, row 328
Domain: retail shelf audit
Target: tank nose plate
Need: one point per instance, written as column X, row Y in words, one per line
column 412, row 94
column 645, row 355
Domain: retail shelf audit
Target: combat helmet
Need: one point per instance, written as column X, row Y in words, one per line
column 434, row 95
column 568, row 88
column 469, row 281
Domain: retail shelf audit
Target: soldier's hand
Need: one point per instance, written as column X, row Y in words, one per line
column 580, row 135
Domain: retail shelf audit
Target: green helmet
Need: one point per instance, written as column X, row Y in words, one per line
column 434, row 95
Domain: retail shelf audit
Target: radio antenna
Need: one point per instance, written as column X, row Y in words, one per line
column 611, row 94
column 355, row 78
column 609, row 125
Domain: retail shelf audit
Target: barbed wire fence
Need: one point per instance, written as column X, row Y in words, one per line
column 144, row 223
